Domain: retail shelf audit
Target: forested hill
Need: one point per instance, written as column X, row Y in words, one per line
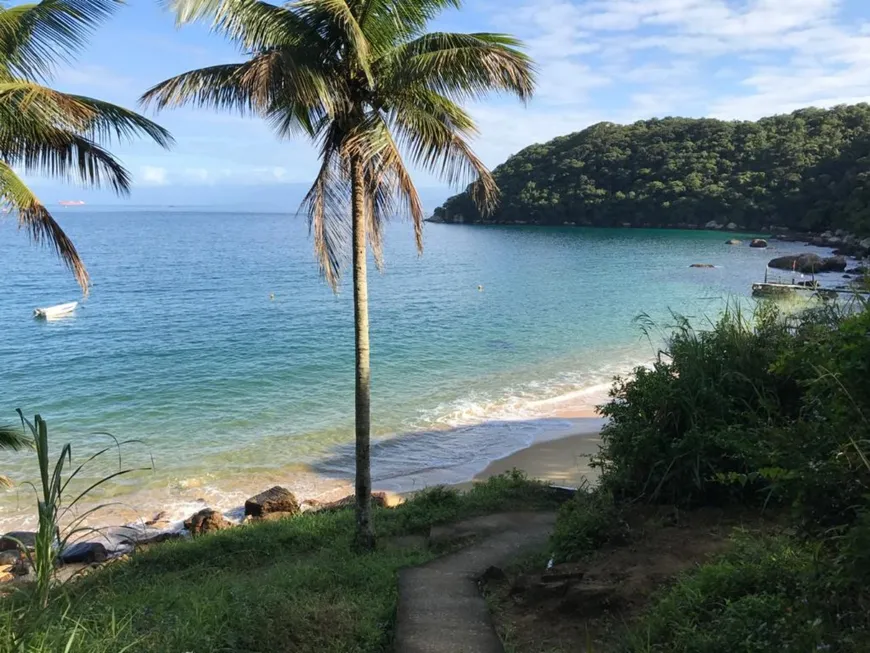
column 809, row 171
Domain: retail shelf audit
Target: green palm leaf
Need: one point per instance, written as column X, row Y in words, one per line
column 44, row 131
column 34, row 37
column 36, row 219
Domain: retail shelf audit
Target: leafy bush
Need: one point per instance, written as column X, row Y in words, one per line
column 769, row 409
column 698, row 410
column 585, row 523
column 768, row 594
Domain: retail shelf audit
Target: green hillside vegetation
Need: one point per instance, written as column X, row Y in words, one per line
column 771, row 415
column 806, row 171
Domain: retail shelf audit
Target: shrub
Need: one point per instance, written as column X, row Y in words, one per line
column 585, row 523
column 750, row 599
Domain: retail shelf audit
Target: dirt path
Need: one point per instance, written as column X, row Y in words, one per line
column 441, row 609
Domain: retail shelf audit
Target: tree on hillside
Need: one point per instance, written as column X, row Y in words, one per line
column 806, row 171
column 43, row 131
column 367, row 84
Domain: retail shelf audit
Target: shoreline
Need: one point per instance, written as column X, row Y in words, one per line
column 557, row 453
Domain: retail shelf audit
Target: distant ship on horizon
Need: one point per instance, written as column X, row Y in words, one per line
column 72, row 203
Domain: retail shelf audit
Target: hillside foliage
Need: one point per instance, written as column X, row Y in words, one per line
column 807, row 171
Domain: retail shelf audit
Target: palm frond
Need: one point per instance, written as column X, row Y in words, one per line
column 65, row 155
column 344, row 36
column 253, row 24
column 432, row 130
column 40, row 226
column 460, row 66
column 396, row 21
column 327, row 205
column 13, row 438
column 25, row 101
column 389, row 187
column 215, row 87
column 271, row 82
column 34, row 37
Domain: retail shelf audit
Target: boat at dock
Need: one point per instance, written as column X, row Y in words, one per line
column 773, row 290
column 54, row 312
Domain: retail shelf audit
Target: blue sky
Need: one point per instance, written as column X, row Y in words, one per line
column 616, row 60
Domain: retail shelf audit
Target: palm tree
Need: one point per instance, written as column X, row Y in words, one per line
column 366, row 83
column 11, row 438
column 45, row 131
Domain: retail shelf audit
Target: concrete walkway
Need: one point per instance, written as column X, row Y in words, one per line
column 440, row 606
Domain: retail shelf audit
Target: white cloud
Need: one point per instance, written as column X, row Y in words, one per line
column 623, row 60
column 152, row 176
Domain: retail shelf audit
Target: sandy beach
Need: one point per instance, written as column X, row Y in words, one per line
column 563, row 462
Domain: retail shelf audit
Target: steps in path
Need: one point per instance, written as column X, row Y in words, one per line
column 440, row 606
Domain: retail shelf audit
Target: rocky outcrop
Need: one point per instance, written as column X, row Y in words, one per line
column 713, row 225
column 84, row 552
column 206, row 521
column 734, row 241
column 10, row 540
column 860, row 270
column 379, row 500
column 276, row 499
column 731, row 226
column 809, row 263
column 758, row 243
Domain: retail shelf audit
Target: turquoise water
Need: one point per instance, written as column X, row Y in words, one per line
column 180, row 345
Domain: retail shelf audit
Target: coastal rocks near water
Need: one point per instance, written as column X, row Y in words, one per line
column 860, row 270
column 273, row 500
column 731, row 226
column 733, row 241
column 10, row 541
column 702, row 265
column 758, row 243
column 84, row 552
column 379, row 500
column 713, row 225
column 809, row 263
column 206, row 521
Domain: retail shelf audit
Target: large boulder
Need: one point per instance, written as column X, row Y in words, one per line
column 276, row 499
column 86, row 552
column 731, row 226
column 206, row 521
column 8, row 542
column 809, row 263
column 758, row 242
column 712, row 225
column 379, row 500
column 733, row 241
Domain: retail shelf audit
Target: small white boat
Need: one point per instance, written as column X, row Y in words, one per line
column 53, row 312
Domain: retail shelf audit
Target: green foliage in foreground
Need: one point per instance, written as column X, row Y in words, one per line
column 770, row 412
column 806, row 170
column 291, row 585
column 757, row 410
column 755, row 598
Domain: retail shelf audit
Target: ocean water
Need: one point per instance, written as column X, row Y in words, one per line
column 209, row 338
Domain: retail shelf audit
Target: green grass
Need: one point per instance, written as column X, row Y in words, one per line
column 765, row 594
column 291, row 585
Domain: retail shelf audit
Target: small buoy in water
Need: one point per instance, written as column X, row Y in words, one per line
column 272, row 296
column 480, row 288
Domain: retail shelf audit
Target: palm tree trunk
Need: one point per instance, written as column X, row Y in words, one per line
column 365, row 538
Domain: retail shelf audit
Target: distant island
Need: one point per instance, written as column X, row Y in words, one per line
column 808, row 171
